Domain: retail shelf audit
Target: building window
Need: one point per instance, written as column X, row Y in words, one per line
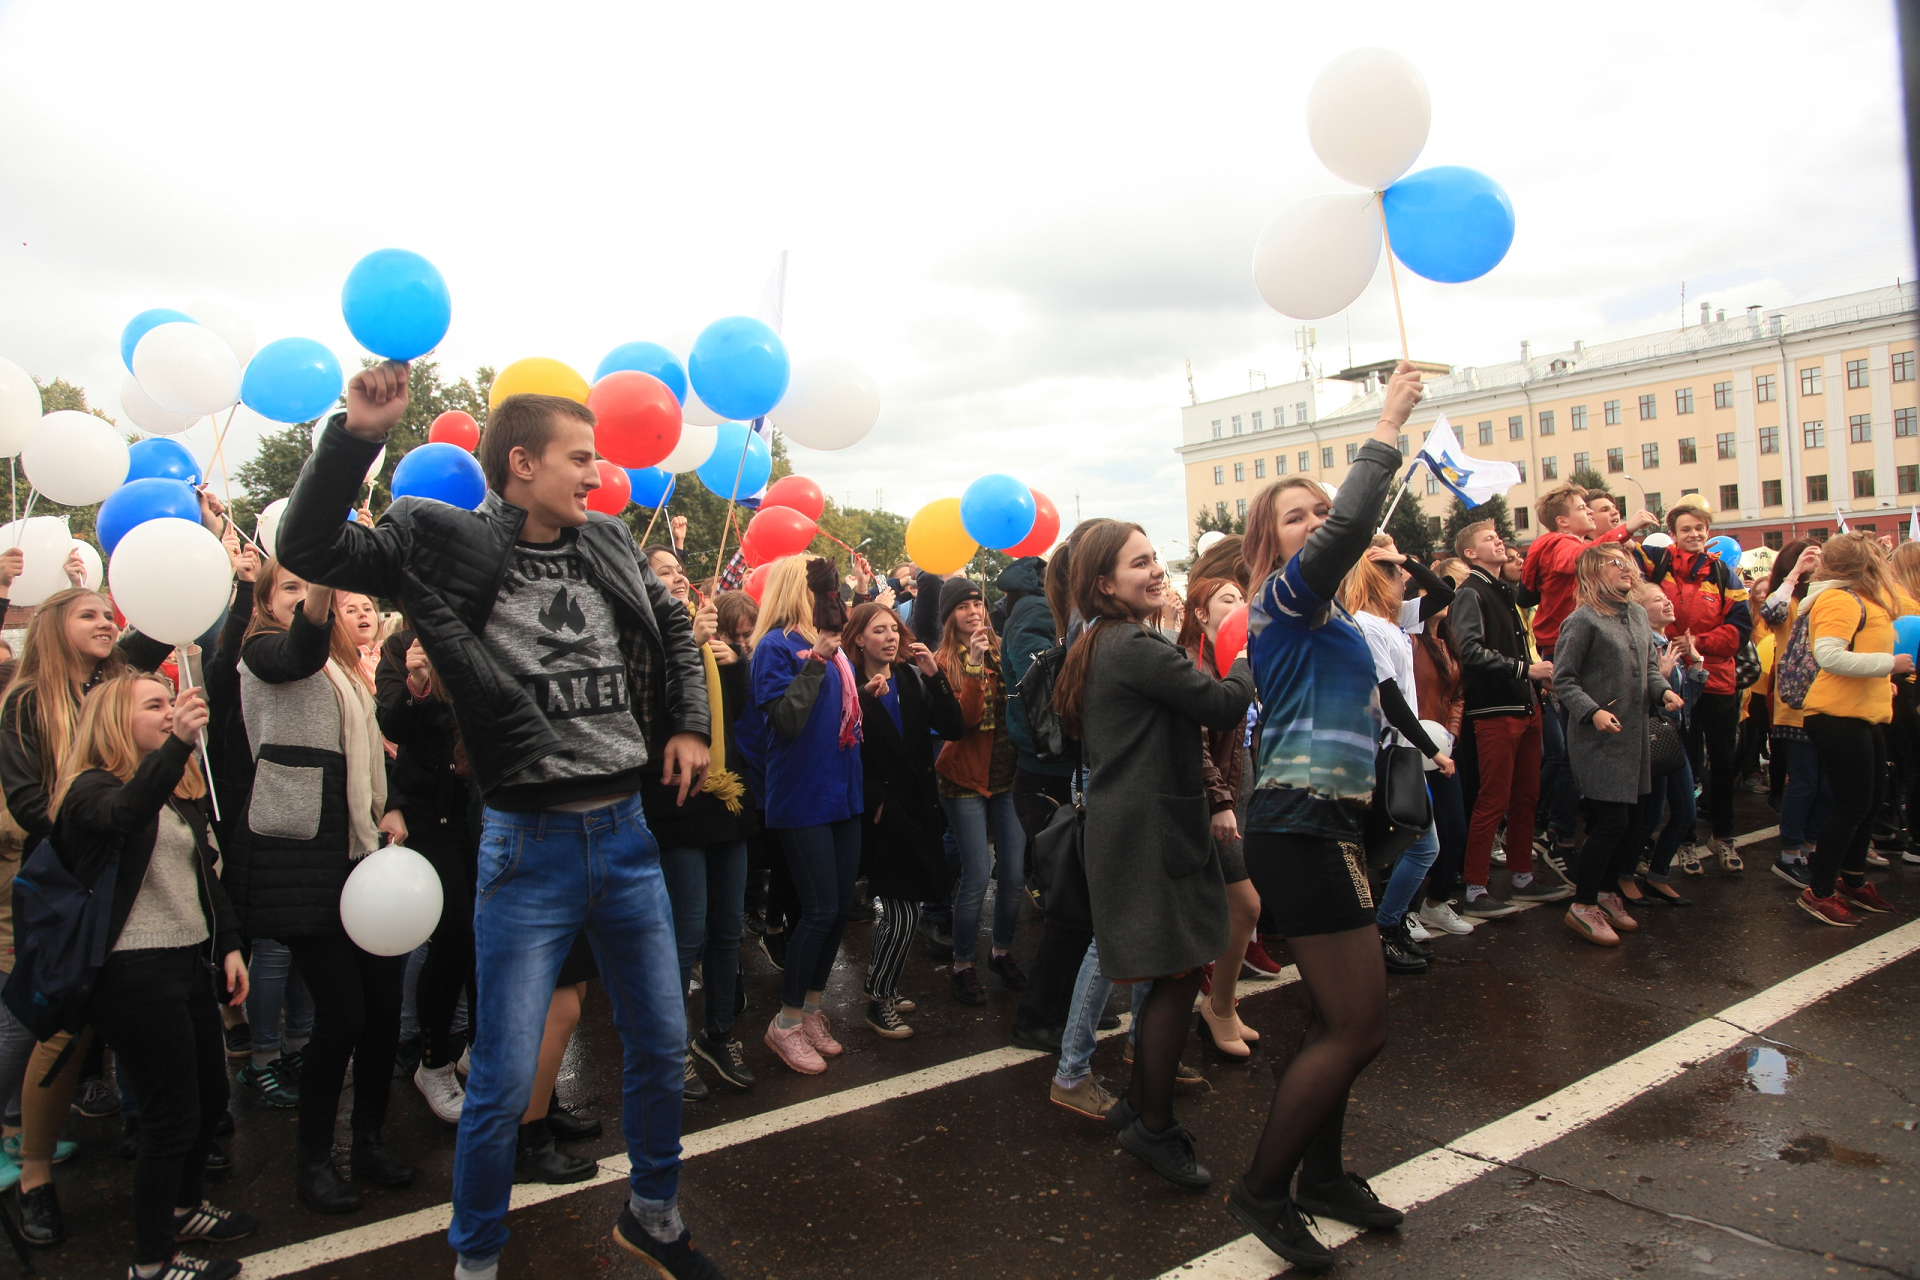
column 1860, row 428
column 1299, row 411
column 1433, row 483
column 1816, row 488
column 1723, row 395
column 1433, row 527
column 1279, row 415
column 1257, row 421
column 1612, row 410
column 1649, row 407
column 1326, row 457
column 1521, row 467
column 1486, row 432
column 1279, row 464
column 1688, row 453
column 1240, row 508
column 1239, row 472
column 1773, row 539
column 1769, row 439
column 1819, row 535
column 1863, row 484
column 1813, row 435
column 1216, row 428
column 1546, row 422
column 1259, row 468
column 1579, row 415
column 1770, row 495
column 1353, row 452
column 1516, row 428
column 1729, row 497
column 1616, row 461
column 1236, row 424
column 1723, row 447
column 1550, row 468
column 1906, row 423
column 1810, row 380
column 1657, row 504
column 1687, row 493
column 1582, row 461
column 1763, row 388
column 1521, row 517
column 1402, row 443
column 1306, row 460
column 1220, row 511
column 1683, row 400
column 1219, row 475
column 1650, row 455
column 1856, row 374
column 1907, row 478
column 1903, row 366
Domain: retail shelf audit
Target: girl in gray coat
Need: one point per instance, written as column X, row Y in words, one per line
column 1606, row 672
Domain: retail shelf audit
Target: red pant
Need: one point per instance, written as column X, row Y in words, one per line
column 1509, row 755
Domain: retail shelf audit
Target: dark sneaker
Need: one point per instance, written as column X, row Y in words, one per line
column 219, row 1163
column 97, row 1099
column 210, row 1222
column 728, row 1058
column 1829, row 910
column 1108, row 1022
column 1398, row 958
column 692, row 1087
column 571, row 1126
column 1121, row 1114
column 239, row 1041
column 676, row 1259
column 1556, row 858
column 186, row 1267
column 1039, row 1039
column 967, row 988
column 1538, row 892
column 886, row 1020
column 537, row 1159
column 271, row 1084
column 1348, row 1199
column 1487, row 907
column 40, row 1218
column 1282, row 1227
column 1863, row 897
column 774, row 947
column 1009, row 971
column 1793, row 873
column 1168, row 1154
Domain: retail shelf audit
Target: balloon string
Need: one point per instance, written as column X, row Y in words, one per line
column 739, row 471
column 219, row 443
column 656, row 515
column 1393, row 275
column 185, row 668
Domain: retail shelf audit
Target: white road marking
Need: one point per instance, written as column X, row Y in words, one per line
column 1508, row 1139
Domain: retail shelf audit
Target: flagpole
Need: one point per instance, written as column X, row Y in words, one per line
column 1387, row 242
column 1406, row 483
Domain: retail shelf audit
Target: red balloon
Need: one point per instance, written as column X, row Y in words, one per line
column 1230, row 639
column 615, row 490
column 778, row 531
column 639, row 418
column 796, row 493
column 756, row 583
column 455, row 427
column 1046, row 527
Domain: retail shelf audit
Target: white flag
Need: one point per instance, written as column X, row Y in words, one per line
column 1913, row 524
column 1472, row 480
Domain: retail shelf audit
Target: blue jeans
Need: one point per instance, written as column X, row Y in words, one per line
column 970, row 817
column 1077, row 1042
column 542, row 876
column 1409, row 869
column 825, row 861
column 273, row 987
column 1559, row 792
column 1808, row 798
column 1672, row 795
column 708, row 887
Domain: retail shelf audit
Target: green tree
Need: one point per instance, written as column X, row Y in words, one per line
column 1211, row 521
column 1410, row 529
column 1461, row 515
column 1593, row 482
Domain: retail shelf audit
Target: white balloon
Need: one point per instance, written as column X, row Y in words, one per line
column 830, row 403
column 44, row 542
column 1441, row 739
column 1318, row 254
column 147, row 415
column 1206, row 542
column 266, row 530
column 171, row 578
column 234, row 329
column 90, row 557
column 187, row 368
column 391, row 901
column 697, row 440
column 1367, row 116
column 19, row 407
column 74, row 458
column 1655, row 541
column 695, row 413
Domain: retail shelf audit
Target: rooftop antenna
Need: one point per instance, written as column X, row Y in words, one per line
column 1256, row 373
column 1683, row 304
column 1303, row 342
column 1193, row 397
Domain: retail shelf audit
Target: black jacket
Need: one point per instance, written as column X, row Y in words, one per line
column 444, row 567
column 102, row 815
column 1493, row 649
column 900, row 852
column 227, row 749
column 424, row 780
column 704, row 819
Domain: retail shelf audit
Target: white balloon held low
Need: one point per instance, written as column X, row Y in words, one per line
column 171, row 578
column 391, row 901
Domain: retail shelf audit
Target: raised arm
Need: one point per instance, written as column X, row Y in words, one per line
column 1436, row 592
column 316, row 540
column 279, row 657
column 1155, row 669
column 1337, row 545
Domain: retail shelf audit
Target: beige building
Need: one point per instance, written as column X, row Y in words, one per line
column 1783, row 421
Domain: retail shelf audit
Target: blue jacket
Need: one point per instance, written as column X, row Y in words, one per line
column 1028, row 632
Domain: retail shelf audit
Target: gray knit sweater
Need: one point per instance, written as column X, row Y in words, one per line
column 167, row 910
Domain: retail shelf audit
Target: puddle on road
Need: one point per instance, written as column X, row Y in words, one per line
column 1811, row 1147
column 1767, row 1069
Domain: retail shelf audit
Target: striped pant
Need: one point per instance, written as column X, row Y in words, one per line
column 892, row 939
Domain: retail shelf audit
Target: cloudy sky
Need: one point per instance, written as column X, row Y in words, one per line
column 1021, row 218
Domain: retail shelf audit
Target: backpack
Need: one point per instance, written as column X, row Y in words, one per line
column 1793, row 678
column 1050, row 741
column 60, row 941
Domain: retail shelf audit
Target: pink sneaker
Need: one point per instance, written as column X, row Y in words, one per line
column 1616, row 908
column 819, row 1033
column 790, row 1044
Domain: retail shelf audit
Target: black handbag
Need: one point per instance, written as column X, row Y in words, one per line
column 1401, row 809
column 1669, row 753
column 1057, row 864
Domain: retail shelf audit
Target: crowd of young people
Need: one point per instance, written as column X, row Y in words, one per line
column 600, row 759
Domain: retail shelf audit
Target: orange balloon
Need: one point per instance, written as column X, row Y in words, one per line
column 936, row 540
column 537, row 375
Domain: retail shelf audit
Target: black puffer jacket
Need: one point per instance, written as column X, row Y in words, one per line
column 444, row 567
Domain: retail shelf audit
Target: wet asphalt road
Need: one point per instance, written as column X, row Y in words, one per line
column 1794, row 1154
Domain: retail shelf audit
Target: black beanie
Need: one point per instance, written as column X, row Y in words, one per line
column 955, row 593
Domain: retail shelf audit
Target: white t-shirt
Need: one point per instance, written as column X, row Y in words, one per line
column 1392, row 658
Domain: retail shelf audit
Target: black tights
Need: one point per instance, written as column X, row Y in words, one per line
column 1346, row 981
column 1165, row 1020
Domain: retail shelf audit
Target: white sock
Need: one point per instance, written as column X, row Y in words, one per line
column 782, row 1021
column 1522, row 880
column 658, row 1218
column 476, row 1268
column 1476, row 891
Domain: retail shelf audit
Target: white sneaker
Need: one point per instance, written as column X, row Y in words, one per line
column 441, row 1088
column 465, row 1065
column 1416, row 930
column 1441, row 916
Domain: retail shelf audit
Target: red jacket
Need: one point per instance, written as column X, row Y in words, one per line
column 1548, row 574
column 1708, row 604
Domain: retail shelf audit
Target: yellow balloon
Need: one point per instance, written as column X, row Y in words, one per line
column 936, row 540
column 537, row 375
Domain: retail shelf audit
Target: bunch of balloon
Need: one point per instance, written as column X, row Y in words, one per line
column 1368, row 116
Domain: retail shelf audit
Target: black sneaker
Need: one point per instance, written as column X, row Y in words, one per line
column 1039, row 1039
column 692, row 1087
column 97, row 1099
column 210, row 1222
column 677, row 1259
column 1794, row 873
column 1556, row 858
column 40, row 1218
column 1108, row 1022
column 774, row 947
column 1487, row 907
column 966, row 986
column 886, row 1020
column 186, row 1267
column 1540, row 891
column 272, row 1084
column 1347, row 1199
column 239, row 1041
column 1169, row 1154
column 1398, row 958
column 728, row 1058
column 1009, row 971
column 1282, row 1227
column 219, row 1163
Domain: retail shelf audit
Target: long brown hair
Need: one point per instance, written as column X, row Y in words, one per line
column 1904, row 565
column 1368, row 589
column 952, row 653
column 1224, row 559
column 857, row 623
column 1854, row 559
column 1096, row 553
column 342, row 648
column 103, row 739
column 1261, row 546
column 55, row 674
column 1200, row 594
column 1783, row 565
column 1590, row 583
column 1060, row 576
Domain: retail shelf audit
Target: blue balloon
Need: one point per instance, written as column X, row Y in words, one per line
column 396, row 303
column 1906, row 636
column 739, row 368
column 291, row 380
column 137, row 329
column 162, row 458
column 646, row 357
column 138, row 501
column 1726, row 547
column 651, row 486
column 725, row 473
column 997, row 511
column 443, row 472
column 1448, row 223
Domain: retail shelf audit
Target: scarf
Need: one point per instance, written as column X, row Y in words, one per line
column 849, row 701
column 721, row 785
column 366, row 761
